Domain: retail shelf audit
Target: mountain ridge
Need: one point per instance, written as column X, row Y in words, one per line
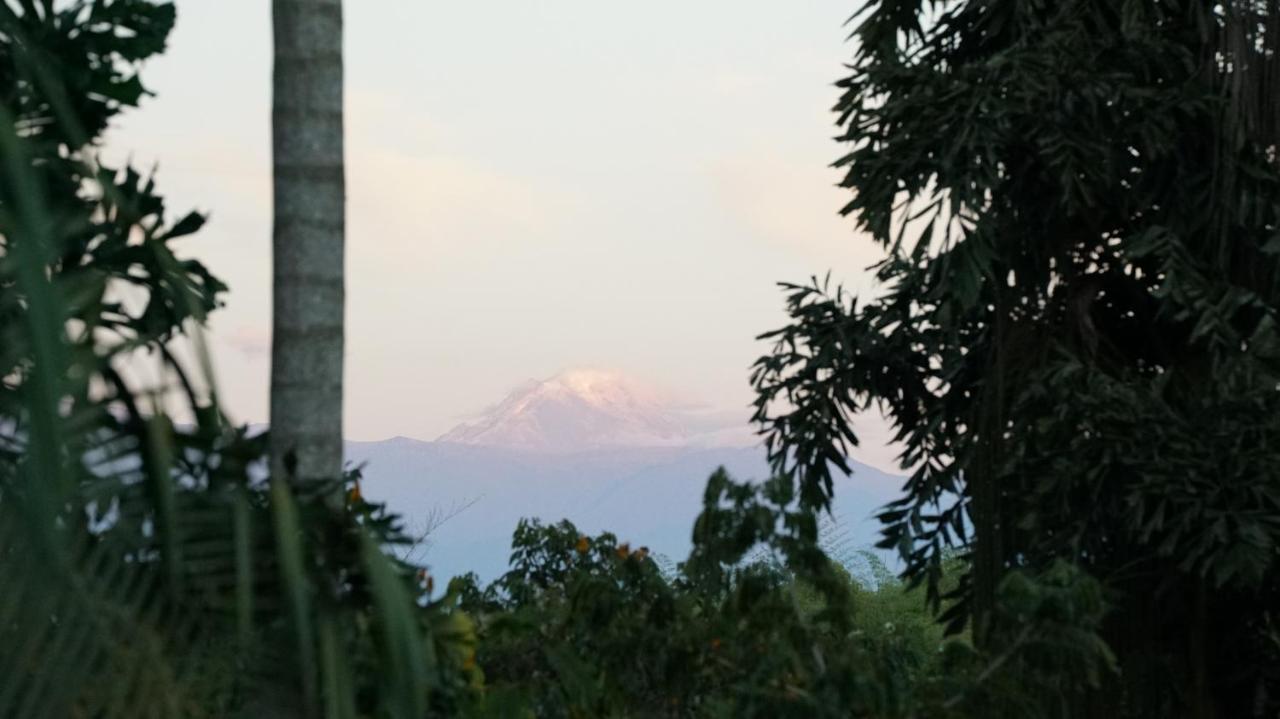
column 592, row 446
column 646, row 495
column 581, row 409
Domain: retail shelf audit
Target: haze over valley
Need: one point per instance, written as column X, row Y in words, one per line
column 593, row 446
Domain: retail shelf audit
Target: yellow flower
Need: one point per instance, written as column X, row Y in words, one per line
column 583, row 545
column 353, row 495
column 624, row 550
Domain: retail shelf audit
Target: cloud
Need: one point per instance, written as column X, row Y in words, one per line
column 793, row 203
column 414, row 193
column 253, row 342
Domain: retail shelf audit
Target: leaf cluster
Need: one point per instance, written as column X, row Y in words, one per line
column 151, row 567
column 1075, row 341
column 757, row 622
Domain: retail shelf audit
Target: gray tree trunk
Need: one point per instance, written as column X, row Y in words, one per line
column 310, row 218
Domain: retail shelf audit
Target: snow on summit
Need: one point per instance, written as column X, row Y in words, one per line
column 576, row 410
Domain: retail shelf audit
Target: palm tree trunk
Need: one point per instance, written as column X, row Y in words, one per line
column 308, row 235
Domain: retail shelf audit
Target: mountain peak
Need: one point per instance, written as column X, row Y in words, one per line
column 578, row 409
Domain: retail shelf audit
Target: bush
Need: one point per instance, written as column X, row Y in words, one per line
column 588, row 626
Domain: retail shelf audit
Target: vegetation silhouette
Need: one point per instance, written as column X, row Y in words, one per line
column 1077, row 344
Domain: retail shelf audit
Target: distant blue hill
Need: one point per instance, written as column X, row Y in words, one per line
column 647, row 496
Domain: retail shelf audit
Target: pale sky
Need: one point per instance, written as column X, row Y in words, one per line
column 532, row 186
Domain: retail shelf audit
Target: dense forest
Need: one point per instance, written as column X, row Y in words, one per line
column 1078, row 204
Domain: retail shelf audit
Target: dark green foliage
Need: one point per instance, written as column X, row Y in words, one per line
column 1077, row 344
column 149, row 569
column 583, row 626
column 1077, row 338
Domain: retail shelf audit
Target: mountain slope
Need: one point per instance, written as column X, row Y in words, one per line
column 590, row 446
column 575, row 411
column 648, row 496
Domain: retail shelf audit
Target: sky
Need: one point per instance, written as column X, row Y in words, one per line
column 532, row 186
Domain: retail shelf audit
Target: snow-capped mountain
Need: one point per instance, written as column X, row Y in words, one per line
column 592, row 446
column 574, row 411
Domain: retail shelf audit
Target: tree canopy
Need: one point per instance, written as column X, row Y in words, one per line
column 1077, row 336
